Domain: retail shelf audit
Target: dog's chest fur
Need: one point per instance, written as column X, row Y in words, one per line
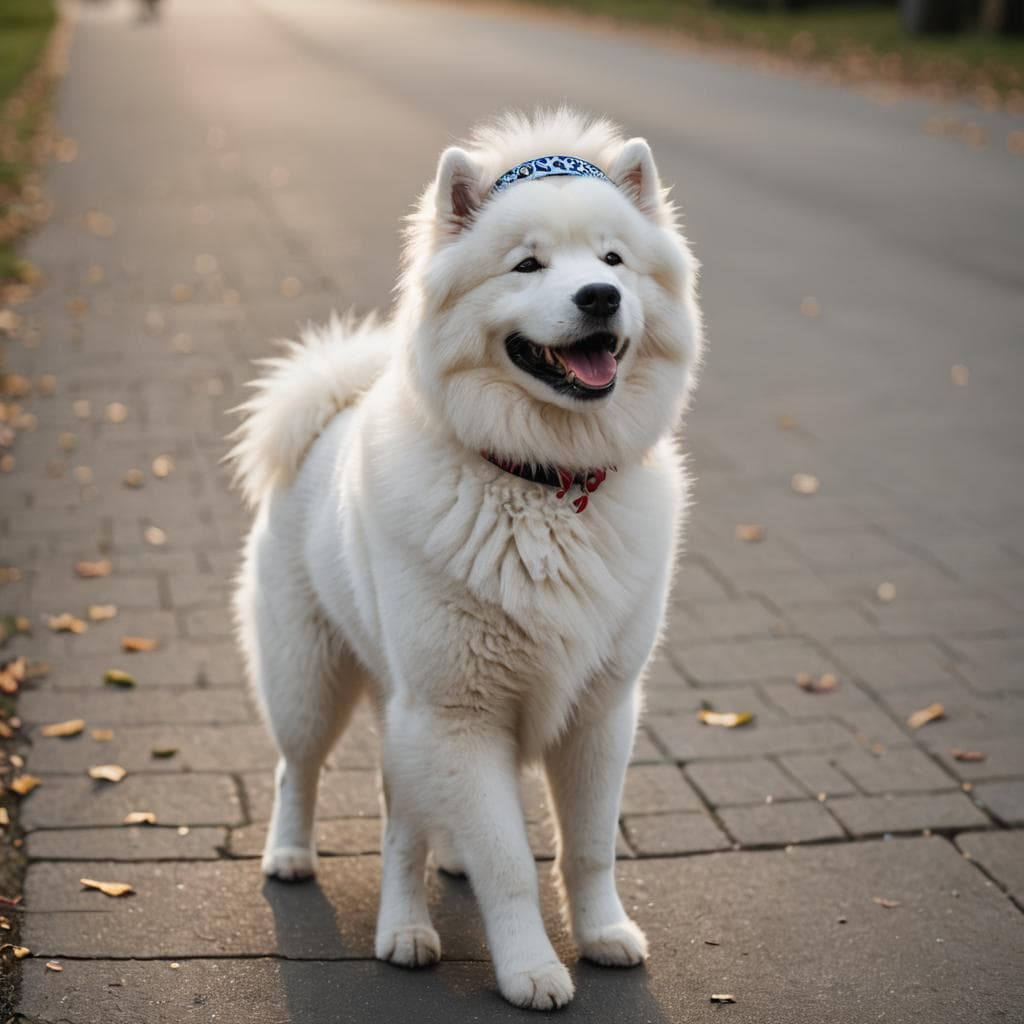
column 490, row 595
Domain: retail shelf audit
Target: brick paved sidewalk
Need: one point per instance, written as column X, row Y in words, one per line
column 750, row 855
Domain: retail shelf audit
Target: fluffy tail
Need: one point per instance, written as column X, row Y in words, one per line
column 327, row 370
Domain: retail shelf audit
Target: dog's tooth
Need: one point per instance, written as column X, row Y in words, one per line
column 571, row 377
column 549, row 356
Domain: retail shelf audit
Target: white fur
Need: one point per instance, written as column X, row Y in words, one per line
column 490, row 624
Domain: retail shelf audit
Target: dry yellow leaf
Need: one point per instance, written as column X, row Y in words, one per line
column 102, row 612
column 155, row 536
column 805, row 483
column 138, row 644
column 750, row 532
column 140, row 818
column 116, row 412
column 13, row 674
column 18, row 952
column 82, row 408
column 24, row 784
column 66, row 623
column 5, row 818
column 91, row 570
column 102, row 735
column 133, row 478
column 727, row 719
column 116, row 677
column 68, row 441
column 72, row 727
column 967, row 755
column 163, row 465
column 52, row 965
column 108, row 888
column 883, row 902
column 926, row 715
column 886, row 592
column 960, row 375
column 107, row 772
column 723, row 997
column 824, row 684
column 810, row 307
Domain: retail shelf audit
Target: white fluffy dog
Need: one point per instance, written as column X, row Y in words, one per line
column 471, row 513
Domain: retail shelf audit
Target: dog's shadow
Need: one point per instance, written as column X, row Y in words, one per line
column 327, row 978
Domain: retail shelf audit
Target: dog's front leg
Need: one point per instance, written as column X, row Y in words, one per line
column 586, row 770
column 462, row 776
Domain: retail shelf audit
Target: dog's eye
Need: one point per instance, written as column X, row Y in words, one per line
column 613, row 259
column 528, row 266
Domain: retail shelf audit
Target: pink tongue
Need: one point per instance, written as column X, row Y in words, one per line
column 595, row 368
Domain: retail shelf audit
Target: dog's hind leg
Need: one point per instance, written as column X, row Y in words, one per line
column 586, row 770
column 308, row 684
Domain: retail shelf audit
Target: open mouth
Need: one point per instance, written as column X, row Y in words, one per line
column 584, row 369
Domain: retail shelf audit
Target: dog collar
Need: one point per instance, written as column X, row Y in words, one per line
column 548, row 167
column 554, row 476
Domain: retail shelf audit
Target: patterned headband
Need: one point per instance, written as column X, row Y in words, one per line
column 547, row 167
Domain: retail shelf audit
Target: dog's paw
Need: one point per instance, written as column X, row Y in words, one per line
column 616, row 945
column 289, row 863
column 544, row 987
column 412, row 945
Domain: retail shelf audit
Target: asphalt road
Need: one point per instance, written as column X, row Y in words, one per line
column 255, row 158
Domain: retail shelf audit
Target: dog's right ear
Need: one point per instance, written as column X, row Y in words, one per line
column 458, row 190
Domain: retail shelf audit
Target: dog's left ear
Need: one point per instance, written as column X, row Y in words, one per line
column 458, row 189
column 634, row 172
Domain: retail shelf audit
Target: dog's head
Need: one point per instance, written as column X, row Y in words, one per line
column 553, row 321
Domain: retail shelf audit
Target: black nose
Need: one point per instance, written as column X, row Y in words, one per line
column 598, row 299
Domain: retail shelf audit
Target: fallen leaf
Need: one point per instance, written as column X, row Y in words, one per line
column 138, row 644
column 72, row 727
column 805, row 483
column 959, row 375
column 102, row 735
column 13, row 674
column 37, row 670
column 967, row 755
column 116, row 412
column 750, row 532
column 886, row 592
column 140, row 818
column 24, row 784
column 155, row 536
column 711, row 942
column 66, row 623
column 115, row 677
column 82, row 408
column 786, row 422
column 133, row 478
column 5, row 817
column 727, row 719
column 108, row 888
column 883, row 902
column 91, row 570
column 107, row 772
column 102, row 612
column 810, row 307
column 824, row 684
column 67, row 441
column 52, row 965
column 723, row 998
column 290, row 287
column 926, row 715
column 162, row 466
column 18, row 952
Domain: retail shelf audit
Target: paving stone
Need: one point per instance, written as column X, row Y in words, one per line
column 863, row 549
column 657, row 788
column 141, row 706
column 62, row 802
column 1000, row 854
column 1003, row 757
column 896, row 665
column 66, row 591
column 102, row 639
column 724, row 783
column 197, row 748
column 953, row 615
column 689, row 740
column 175, row 664
column 817, row 773
column 836, row 622
column 778, row 823
column 767, row 911
column 708, row 621
column 992, row 665
column 694, row 582
column 876, row 815
column 645, row 750
column 1003, row 799
column 337, row 837
column 898, row 770
column 342, row 794
column 128, row 843
column 752, row 661
column 663, row 835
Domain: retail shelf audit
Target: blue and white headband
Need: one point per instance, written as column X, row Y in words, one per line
column 548, row 167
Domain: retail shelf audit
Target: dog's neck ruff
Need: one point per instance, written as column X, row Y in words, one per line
column 548, row 167
column 554, row 476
